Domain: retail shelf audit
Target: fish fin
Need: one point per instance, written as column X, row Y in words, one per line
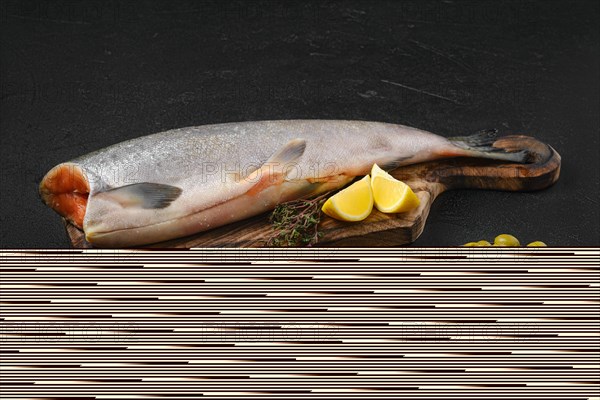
column 484, row 138
column 393, row 164
column 322, row 179
column 144, row 195
column 289, row 153
column 276, row 168
column 310, row 189
column 481, row 145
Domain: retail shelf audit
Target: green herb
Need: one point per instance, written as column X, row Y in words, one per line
column 295, row 223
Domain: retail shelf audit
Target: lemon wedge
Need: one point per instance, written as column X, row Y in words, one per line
column 353, row 203
column 377, row 171
column 391, row 195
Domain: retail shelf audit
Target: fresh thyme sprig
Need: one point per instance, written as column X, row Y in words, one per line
column 295, row 223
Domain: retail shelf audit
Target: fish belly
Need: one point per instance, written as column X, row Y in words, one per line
column 237, row 209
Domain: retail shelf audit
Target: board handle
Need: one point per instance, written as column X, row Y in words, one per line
column 540, row 172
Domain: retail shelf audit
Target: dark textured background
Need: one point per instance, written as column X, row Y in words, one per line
column 76, row 77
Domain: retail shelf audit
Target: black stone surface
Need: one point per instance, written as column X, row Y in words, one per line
column 78, row 76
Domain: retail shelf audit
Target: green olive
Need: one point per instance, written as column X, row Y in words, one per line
column 471, row 244
column 506, row 240
column 537, row 244
column 483, row 243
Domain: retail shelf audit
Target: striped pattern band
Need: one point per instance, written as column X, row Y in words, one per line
column 302, row 323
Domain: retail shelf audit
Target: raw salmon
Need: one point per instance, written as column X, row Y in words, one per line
column 179, row 182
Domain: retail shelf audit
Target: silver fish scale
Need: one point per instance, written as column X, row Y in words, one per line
column 210, row 152
column 201, row 162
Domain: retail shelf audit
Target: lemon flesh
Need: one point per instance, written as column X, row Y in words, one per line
column 391, row 195
column 377, row 171
column 353, row 203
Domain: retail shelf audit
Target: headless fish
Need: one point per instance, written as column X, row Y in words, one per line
column 183, row 181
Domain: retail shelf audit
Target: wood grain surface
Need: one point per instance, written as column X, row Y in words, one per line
column 428, row 180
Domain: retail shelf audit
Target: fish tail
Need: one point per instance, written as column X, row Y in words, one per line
column 481, row 145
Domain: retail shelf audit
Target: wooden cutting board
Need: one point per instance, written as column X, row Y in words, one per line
column 428, row 180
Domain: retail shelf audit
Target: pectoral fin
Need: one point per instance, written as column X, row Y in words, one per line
column 143, row 195
column 277, row 166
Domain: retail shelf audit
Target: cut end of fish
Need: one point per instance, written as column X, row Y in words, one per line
column 65, row 189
